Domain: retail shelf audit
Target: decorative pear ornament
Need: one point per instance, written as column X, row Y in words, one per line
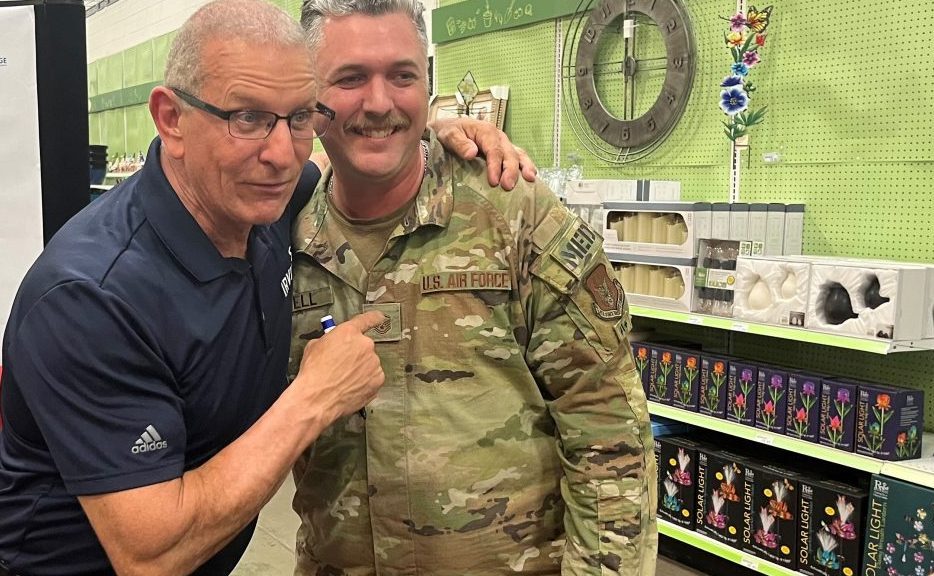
column 871, row 293
column 789, row 286
column 837, row 305
column 759, row 297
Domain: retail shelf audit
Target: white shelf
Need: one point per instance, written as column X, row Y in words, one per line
column 848, row 459
column 874, row 345
column 919, row 471
column 722, row 550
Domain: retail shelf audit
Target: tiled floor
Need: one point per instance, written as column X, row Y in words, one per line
column 270, row 553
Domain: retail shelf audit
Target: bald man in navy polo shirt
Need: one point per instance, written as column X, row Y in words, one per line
column 146, row 418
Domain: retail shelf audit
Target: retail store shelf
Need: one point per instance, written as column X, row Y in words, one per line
column 781, row 441
column 874, row 345
column 723, row 550
column 920, row 471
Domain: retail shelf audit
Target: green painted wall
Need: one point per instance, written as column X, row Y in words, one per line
column 119, row 86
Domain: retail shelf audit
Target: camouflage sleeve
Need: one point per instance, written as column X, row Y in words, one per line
column 579, row 353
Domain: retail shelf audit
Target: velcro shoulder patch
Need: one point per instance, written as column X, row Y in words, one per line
column 576, row 247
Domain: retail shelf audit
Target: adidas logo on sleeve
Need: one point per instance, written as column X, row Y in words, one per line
column 149, row 441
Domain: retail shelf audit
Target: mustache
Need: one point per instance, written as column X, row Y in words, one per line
column 392, row 121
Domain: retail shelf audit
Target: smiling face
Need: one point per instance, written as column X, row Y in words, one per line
column 372, row 71
column 231, row 184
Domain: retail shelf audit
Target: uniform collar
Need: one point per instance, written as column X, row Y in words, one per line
column 177, row 228
column 318, row 236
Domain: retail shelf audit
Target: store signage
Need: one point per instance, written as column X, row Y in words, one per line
column 21, row 201
column 473, row 17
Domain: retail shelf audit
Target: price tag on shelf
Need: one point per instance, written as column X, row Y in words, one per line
column 740, row 327
column 764, row 439
column 749, row 562
column 697, row 320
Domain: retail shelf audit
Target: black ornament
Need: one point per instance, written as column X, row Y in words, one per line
column 837, row 305
column 871, row 293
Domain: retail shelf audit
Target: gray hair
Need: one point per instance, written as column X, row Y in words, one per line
column 252, row 21
column 315, row 12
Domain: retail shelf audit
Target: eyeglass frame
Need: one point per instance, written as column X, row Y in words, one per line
column 193, row 100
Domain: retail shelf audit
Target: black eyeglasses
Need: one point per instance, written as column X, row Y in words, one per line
column 258, row 124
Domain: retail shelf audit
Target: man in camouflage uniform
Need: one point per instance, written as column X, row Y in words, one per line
column 512, row 433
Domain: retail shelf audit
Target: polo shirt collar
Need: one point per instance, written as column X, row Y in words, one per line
column 177, row 228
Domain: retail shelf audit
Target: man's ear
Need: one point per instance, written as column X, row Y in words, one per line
column 166, row 114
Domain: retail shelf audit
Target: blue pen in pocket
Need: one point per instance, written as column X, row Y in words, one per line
column 328, row 324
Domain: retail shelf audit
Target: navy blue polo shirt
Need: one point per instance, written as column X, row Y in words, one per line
column 134, row 352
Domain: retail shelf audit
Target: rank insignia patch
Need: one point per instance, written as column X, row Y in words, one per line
column 607, row 293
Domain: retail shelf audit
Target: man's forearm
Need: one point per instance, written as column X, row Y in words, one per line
column 190, row 519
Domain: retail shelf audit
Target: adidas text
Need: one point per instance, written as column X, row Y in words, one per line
column 149, row 441
column 149, row 447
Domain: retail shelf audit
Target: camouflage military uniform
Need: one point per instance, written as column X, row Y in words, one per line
column 512, row 433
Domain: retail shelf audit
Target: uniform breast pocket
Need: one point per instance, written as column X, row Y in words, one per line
column 464, row 318
column 308, row 307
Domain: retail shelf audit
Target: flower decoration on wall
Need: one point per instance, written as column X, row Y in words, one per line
column 745, row 38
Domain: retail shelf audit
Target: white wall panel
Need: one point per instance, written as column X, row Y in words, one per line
column 129, row 22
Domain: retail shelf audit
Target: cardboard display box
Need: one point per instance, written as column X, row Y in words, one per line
column 830, row 528
column 837, row 413
column 770, row 514
column 677, row 475
column 802, row 420
column 713, row 379
column 668, row 229
column 889, row 422
column 741, row 392
column 899, row 526
column 719, row 511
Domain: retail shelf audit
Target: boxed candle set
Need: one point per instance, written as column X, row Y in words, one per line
column 655, row 281
column 655, row 228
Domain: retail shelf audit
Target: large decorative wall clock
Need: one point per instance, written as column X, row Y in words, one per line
column 628, row 67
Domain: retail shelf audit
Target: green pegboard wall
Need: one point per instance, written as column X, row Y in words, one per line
column 521, row 58
column 847, row 115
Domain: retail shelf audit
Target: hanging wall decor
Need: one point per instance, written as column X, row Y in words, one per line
column 745, row 37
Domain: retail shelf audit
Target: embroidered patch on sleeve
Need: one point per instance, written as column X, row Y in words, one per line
column 608, row 296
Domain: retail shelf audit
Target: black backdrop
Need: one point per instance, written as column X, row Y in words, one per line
column 61, row 62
